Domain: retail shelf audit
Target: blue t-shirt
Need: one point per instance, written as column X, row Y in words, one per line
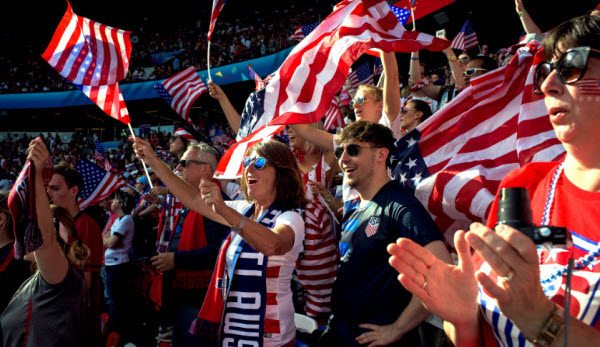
column 367, row 289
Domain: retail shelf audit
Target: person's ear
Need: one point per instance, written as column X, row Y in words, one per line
column 418, row 115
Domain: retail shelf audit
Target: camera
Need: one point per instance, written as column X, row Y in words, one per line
column 514, row 210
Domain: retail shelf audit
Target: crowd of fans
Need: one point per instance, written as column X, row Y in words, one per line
column 224, row 261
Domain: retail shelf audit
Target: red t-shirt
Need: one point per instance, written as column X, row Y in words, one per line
column 89, row 232
column 577, row 210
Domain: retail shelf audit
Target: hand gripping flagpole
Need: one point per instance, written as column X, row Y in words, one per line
column 143, row 162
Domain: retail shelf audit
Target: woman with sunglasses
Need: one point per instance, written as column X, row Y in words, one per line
column 414, row 113
column 49, row 309
column 255, row 264
column 519, row 294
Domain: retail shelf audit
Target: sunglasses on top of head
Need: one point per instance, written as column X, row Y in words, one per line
column 185, row 162
column 470, row 72
column 259, row 162
column 351, row 149
column 359, row 101
column 570, row 68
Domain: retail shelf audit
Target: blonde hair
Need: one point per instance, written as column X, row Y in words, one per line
column 309, row 147
column 375, row 91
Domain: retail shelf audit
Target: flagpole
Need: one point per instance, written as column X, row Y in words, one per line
column 208, row 61
column 143, row 162
column 412, row 14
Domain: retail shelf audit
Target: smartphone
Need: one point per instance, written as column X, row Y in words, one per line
column 441, row 33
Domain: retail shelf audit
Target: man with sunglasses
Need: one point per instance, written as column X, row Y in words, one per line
column 367, row 306
column 188, row 263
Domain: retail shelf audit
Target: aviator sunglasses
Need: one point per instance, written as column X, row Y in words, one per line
column 259, row 162
column 570, row 68
column 351, row 149
column 185, row 162
column 359, row 101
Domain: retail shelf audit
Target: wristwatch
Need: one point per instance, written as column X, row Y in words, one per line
column 552, row 329
column 452, row 58
column 238, row 228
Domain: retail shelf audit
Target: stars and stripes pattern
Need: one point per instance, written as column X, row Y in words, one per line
column 377, row 66
column 181, row 90
column 345, row 97
column 98, row 184
column 362, row 75
column 93, row 57
column 260, row 84
column 216, row 10
column 303, row 30
column 99, row 151
column 316, row 69
column 333, row 117
column 401, row 14
column 455, row 160
column 466, row 38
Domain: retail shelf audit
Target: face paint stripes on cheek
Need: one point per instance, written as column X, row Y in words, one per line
column 589, row 89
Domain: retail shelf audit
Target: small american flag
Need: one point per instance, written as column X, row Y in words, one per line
column 94, row 57
column 260, row 84
column 181, row 90
column 99, row 151
column 377, row 67
column 216, row 10
column 333, row 117
column 362, row 75
column 98, row 184
column 345, row 97
column 589, row 86
column 466, row 38
column 372, row 227
column 303, row 30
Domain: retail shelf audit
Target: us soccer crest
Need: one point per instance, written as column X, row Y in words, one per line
column 372, row 227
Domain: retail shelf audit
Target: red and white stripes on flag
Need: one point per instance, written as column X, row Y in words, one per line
column 496, row 125
column 466, row 38
column 362, row 75
column 98, row 184
column 230, row 166
column 216, row 10
column 181, row 90
column 94, row 57
column 333, row 117
column 317, row 67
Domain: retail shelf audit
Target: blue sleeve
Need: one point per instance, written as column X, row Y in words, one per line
column 415, row 223
column 206, row 257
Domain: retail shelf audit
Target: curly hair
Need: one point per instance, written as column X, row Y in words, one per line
column 288, row 181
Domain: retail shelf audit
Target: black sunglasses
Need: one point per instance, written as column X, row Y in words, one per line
column 259, row 162
column 185, row 162
column 470, row 72
column 570, row 68
column 351, row 149
column 359, row 100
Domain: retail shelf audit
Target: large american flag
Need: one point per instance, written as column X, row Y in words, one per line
column 466, row 38
column 181, row 90
column 216, row 10
column 230, row 166
column 455, row 160
column 333, row 117
column 98, row 184
column 303, row 30
column 260, row 84
column 362, row 75
column 94, row 57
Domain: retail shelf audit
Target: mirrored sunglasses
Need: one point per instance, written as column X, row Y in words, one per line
column 359, row 101
column 570, row 68
column 259, row 162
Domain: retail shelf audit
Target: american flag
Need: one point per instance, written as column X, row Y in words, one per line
column 362, row 75
column 98, row 184
column 181, row 90
column 345, row 97
column 107, row 165
column 260, row 84
column 589, row 86
column 377, row 67
column 221, row 138
column 99, row 151
column 303, row 30
column 333, row 117
column 466, row 38
column 216, row 10
column 230, row 166
column 401, row 14
column 94, row 57
column 455, row 160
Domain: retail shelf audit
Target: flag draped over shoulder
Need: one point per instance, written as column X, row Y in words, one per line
column 181, row 90
column 98, row 184
column 94, row 57
column 317, row 67
column 455, row 160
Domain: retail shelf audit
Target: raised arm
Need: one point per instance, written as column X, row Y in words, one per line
column 185, row 192
column 319, row 137
column 391, row 86
column 51, row 262
column 528, row 23
column 233, row 117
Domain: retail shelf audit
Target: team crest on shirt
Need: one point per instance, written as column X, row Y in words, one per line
column 372, row 227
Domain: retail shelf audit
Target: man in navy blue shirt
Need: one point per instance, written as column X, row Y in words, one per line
column 369, row 305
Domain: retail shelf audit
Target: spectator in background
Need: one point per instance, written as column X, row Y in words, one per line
column 413, row 114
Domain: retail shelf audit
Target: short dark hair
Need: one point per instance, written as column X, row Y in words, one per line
column 579, row 31
column 488, row 63
column 127, row 200
column 377, row 134
column 421, row 106
column 71, row 176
